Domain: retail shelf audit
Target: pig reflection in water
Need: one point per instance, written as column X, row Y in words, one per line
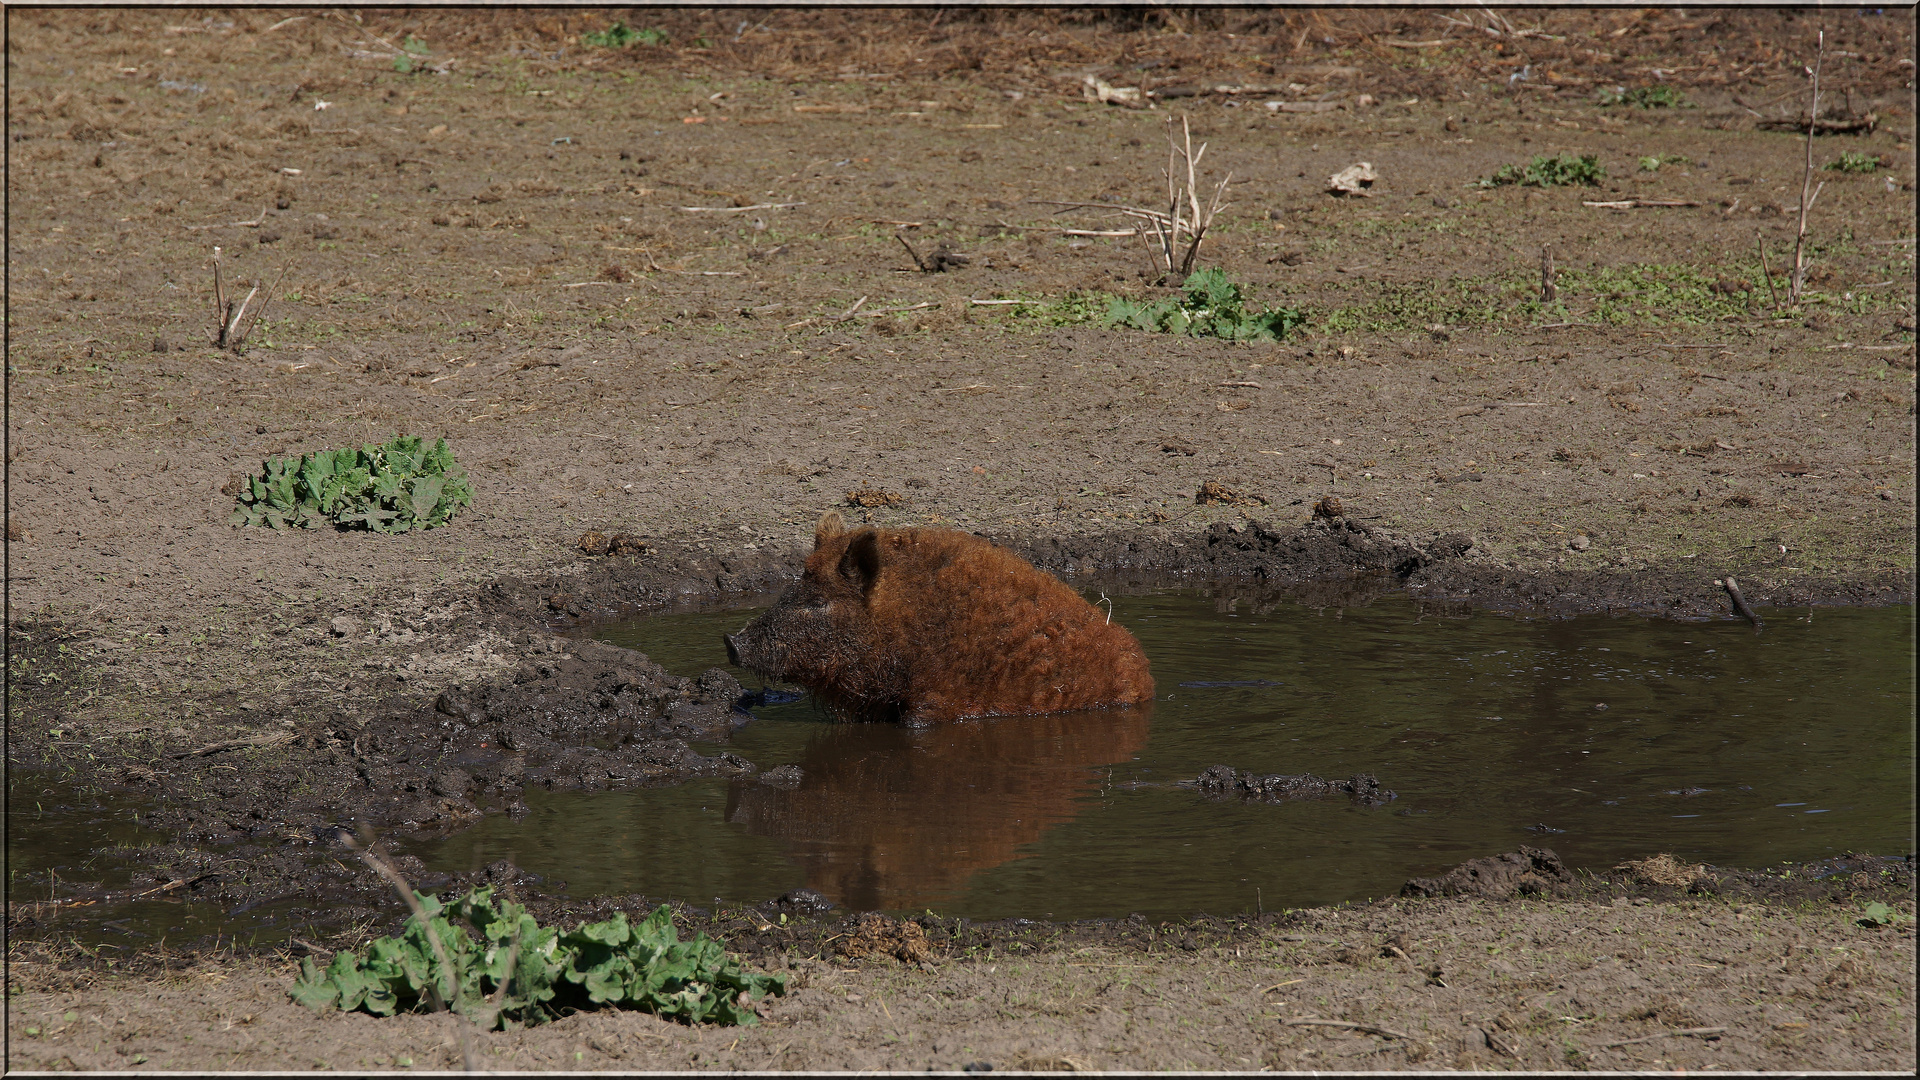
column 893, row 817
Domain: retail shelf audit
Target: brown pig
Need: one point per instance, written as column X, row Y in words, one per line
column 928, row 625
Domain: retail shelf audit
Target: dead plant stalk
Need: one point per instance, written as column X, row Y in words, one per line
column 1809, row 191
column 233, row 322
column 1184, row 211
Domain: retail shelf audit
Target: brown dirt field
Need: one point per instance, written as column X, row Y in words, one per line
column 495, row 245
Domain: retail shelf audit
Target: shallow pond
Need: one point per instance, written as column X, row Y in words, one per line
column 1600, row 737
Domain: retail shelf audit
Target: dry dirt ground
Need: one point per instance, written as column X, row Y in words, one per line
column 661, row 290
column 1592, row 983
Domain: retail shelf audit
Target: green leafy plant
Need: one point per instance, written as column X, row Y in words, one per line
column 1645, row 97
column 1879, row 914
column 391, row 488
column 410, row 50
column 620, row 35
column 1210, row 305
column 1853, row 161
column 504, row 970
column 1544, row 171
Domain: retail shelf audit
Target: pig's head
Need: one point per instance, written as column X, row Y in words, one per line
column 819, row 633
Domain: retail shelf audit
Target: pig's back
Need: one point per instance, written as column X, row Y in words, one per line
column 986, row 633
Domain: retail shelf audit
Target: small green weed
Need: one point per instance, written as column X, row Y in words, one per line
column 1645, row 97
column 620, row 35
column 391, row 488
column 1544, row 171
column 519, row 973
column 1853, row 161
column 1879, row 914
column 1210, row 305
column 410, row 50
column 1652, row 164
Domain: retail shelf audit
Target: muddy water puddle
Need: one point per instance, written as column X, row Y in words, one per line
column 1600, row 737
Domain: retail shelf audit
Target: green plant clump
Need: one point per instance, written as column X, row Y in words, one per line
column 517, row 973
column 1879, row 914
column 1645, row 97
column 1853, row 161
column 391, row 488
column 620, row 35
column 1210, row 305
column 1544, row 171
column 411, row 50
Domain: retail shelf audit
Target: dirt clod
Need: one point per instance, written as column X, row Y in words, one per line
column 1664, row 869
column 877, row 934
column 1214, row 493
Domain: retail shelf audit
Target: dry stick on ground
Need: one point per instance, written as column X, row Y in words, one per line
column 1808, row 190
column 1667, row 1035
column 1371, row 1029
column 274, row 738
column 1547, row 290
column 107, row 898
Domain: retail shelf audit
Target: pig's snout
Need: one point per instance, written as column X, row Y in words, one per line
column 749, row 649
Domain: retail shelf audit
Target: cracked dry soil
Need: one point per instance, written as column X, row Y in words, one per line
column 502, row 254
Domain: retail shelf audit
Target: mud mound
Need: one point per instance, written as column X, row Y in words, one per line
column 1528, row 872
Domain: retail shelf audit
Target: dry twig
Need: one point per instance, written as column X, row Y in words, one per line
column 1808, row 190
column 1371, row 1029
column 233, row 322
column 272, row 738
column 1189, row 217
column 1667, row 1035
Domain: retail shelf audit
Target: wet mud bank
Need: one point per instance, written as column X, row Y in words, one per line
column 247, row 818
column 1336, row 557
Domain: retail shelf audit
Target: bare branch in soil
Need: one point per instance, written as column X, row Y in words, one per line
column 1196, row 220
column 1808, row 190
column 917, row 260
column 1740, row 602
column 233, row 322
column 1548, row 292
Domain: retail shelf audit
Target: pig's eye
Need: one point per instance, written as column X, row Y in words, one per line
column 819, row 603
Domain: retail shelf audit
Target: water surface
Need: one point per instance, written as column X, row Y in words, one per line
column 1600, row 737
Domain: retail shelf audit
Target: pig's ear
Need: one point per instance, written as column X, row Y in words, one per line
column 831, row 525
column 861, row 563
